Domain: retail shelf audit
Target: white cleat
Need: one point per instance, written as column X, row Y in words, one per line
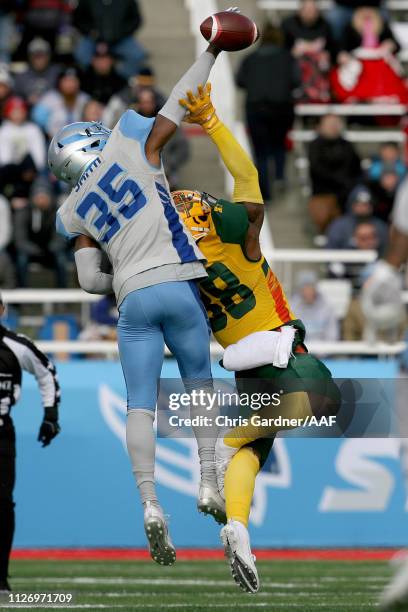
column 223, row 456
column 237, row 548
column 395, row 593
column 210, row 502
column 160, row 545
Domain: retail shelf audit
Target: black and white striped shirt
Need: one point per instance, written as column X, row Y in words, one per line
column 18, row 353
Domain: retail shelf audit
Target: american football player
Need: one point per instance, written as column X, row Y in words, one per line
column 120, row 206
column 245, row 301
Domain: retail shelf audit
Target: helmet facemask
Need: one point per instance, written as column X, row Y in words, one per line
column 194, row 208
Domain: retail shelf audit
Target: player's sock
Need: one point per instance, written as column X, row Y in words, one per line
column 239, row 485
column 206, row 454
column 206, row 436
column 292, row 406
column 141, row 444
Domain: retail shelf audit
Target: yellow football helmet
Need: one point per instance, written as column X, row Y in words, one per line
column 194, row 208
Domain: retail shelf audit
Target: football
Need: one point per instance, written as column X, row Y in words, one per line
column 229, row 31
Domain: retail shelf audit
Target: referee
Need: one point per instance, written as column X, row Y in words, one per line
column 18, row 353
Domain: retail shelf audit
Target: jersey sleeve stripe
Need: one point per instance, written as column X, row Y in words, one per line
column 179, row 239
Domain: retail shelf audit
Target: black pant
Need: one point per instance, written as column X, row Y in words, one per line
column 7, row 480
column 268, row 125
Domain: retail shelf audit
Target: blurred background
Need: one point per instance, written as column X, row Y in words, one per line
column 321, row 103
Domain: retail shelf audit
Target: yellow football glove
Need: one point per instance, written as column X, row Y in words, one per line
column 200, row 108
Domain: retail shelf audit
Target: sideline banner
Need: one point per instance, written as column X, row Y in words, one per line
column 80, row 492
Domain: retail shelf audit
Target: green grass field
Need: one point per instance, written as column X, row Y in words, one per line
column 203, row 586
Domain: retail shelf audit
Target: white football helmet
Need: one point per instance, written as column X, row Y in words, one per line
column 74, row 148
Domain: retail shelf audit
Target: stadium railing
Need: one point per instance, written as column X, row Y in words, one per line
column 110, row 349
column 357, row 136
column 309, row 110
column 283, row 258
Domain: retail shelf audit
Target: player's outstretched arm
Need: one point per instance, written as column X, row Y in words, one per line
column 172, row 114
column 201, row 111
column 246, row 184
column 88, row 260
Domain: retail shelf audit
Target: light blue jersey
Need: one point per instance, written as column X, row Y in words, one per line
column 124, row 204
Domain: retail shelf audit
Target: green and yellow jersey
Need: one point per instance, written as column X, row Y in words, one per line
column 241, row 296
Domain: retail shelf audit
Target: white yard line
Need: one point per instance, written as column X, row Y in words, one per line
column 187, row 581
column 156, row 606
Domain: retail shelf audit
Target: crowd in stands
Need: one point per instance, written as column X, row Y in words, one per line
column 62, row 61
column 348, row 55
column 80, row 60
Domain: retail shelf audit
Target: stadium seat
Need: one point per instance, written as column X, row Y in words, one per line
column 60, row 327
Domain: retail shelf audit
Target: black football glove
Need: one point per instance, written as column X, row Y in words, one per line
column 49, row 427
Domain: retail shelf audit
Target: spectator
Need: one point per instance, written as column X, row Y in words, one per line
column 129, row 96
column 334, row 167
column 341, row 13
column 40, row 76
column 308, row 36
column 22, row 154
column 389, row 159
column 344, row 232
column 62, row 105
column 384, row 191
column 42, row 19
column 368, row 69
column 367, row 28
column 35, row 234
column 311, row 306
column 365, row 236
column 93, row 111
column 6, row 87
column 269, row 102
column 177, row 151
column 7, row 276
column 357, row 326
column 115, row 23
column 20, row 138
column 7, row 9
column 101, row 80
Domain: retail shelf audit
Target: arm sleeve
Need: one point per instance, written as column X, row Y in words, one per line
column 239, row 164
column 89, row 267
column 196, row 75
column 32, row 360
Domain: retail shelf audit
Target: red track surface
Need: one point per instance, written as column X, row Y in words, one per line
column 203, row 554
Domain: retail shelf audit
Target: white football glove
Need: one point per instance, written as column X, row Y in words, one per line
column 381, row 297
column 233, row 9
